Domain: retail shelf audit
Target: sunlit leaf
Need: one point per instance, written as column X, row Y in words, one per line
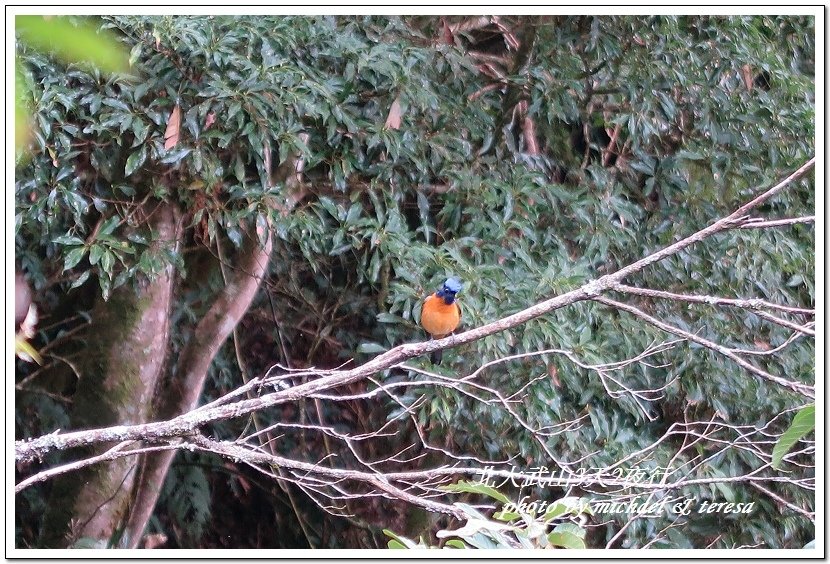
column 73, row 41
column 803, row 423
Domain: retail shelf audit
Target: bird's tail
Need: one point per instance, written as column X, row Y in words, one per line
column 436, row 356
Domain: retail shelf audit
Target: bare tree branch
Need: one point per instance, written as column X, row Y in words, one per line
column 774, row 350
column 377, row 480
column 115, row 452
column 808, row 514
column 759, row 223
column 753, row 304
column 798, row 387
column 788, row 324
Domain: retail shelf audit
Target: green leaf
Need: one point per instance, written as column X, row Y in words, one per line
column 68, row 240
column 374, row 267
column 73, row 257
column 384, row 317
column 355, row 211
column 135, row 53
column 398, row 541
column 478, row 488
column 506, row 516
column 22, row 109
column 566, row 540
column 75, row 201
column 81, row 279
column 142, row 89
column 74, row 43
column 567, row 535
column 135, row 160
column 176, row 156
column 109, row 226
column 95, row 253
column 371, row 348
column 481, row 541
column 107, row 262
column 239, row 168
column 140, row 131
column 126, row 189
column 329, row 205
column 117, row 104
column 803, row 423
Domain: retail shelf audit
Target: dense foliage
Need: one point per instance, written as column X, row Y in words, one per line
column 648, row 129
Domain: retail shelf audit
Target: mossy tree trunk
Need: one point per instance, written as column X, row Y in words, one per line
column 119, row 371
column 182, row 393
column 248, row 268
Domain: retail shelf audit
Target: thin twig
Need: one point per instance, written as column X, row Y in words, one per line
column 753, row 304
column 808, row 514
column 759, row 223
column 798, row 387
column 115, row 452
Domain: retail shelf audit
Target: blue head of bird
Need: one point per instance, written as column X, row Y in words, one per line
column 449, row 289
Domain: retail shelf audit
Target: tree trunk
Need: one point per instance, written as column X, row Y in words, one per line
column 247, row 271
column 183, row 393
column 124, row 359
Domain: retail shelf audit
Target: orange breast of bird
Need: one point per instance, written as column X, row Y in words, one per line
column 438, row 317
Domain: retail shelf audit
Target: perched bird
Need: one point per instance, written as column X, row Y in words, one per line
column 441, row 314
